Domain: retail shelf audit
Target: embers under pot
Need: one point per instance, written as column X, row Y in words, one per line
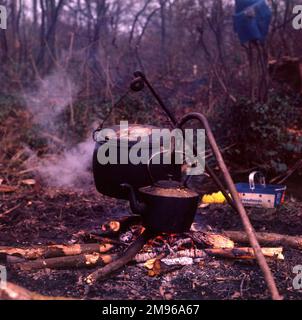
column 109, row 175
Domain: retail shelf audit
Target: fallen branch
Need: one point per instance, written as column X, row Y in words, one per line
column 88, row 236
column 212, row 240
column 183, row 261
column 78, row 261
column 245, row 253
column 267, row 238
column 160, row 268
column 11, row 291
column 283, row 177
column 189, row 253
column 56, row 250
column 3, row 214
column 126, row 257
column 8, row 189
column 143, row 257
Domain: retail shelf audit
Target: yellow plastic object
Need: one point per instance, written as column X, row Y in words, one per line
column 216, row 197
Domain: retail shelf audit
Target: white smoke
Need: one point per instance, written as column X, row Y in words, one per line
column 70, row 169
column 51, row 97
column 53, row 94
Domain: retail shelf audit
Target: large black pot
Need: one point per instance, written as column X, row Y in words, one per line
column 109, row 177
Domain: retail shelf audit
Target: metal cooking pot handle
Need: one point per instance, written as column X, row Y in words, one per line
column 94, row 133
column 252, row 179
column 155, row 154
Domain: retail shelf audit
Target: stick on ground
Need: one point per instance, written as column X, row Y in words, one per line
column 78, row 261
column 55, row 250
column 266, row 238
column 12, row 291
column 245, row 253
column 127, row 256
column 212, row 240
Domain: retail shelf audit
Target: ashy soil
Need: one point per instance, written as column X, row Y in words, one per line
column 43, row 215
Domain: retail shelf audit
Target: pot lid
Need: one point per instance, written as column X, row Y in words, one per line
column 133, row 132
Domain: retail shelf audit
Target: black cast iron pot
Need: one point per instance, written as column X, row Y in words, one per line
column 165, row 205
column 109, row 177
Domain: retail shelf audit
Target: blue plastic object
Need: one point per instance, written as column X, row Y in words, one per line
column 260, row 194
column 252, row 20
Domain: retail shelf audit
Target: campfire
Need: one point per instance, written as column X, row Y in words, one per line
column 125, row 240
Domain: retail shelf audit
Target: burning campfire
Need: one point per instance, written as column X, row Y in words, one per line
column 124, row 240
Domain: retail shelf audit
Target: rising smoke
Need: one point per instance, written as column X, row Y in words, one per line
column 70, row 168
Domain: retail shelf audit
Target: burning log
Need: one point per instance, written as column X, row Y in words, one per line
column 245, row 253
column 160, row 268
column 11, row 291
column 182, row 242
column 114, row 227
column 183, row 261
column 92, row 235
column 55, row 250
column 189, row 253
column 143, row 257
column 267, row 238
column 126, row 257
column 78, row 261
column 212, row 240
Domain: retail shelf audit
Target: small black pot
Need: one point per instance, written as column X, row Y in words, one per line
column 168, row 209
column 169, row 214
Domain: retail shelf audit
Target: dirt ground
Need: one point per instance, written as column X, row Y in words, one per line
column 47, row 216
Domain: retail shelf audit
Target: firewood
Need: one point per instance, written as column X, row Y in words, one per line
column 114, row 227
column 93, row 236
column 267, row 238
column 182, row 242
column 212, row 240
column 11, row 291
column 7, row 189
column 126, row 257
column 183, row 261
column 143, row 257
column 57, row 250
column 160, row 268
column 245, row 253
column 190, row 253
column 78, row 261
